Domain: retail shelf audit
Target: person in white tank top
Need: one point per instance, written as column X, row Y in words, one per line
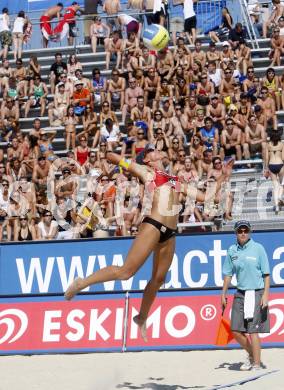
column 18, row 34
column 5, row 33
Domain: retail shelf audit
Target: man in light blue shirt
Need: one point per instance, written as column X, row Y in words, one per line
column 248, row 260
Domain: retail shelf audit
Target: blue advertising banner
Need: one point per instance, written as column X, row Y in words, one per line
column 49, row 267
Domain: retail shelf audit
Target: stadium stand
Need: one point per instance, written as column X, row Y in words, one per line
column 34, row 156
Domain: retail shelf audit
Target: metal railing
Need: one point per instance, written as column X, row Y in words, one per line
column 208, row 16
column 247, row 21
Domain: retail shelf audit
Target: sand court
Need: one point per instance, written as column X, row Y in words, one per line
column 167, row 370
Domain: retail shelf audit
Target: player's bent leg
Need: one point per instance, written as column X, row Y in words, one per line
column 136, row 257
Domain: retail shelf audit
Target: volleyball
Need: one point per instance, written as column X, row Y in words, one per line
column 155, row 37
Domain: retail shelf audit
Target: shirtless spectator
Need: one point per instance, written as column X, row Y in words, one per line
column 165, row 91
column 205, row 164
column 198, row 54
column 5, row 73
column 222, row 171
column 267, row 103
column 255, row 139
column 20, row 74
column 131, row 95
column 141, row 112
column 147, row 60
column 231, row 140
column 40, row 173
column 227, row 87
column 45, row 19
column 216, row 110
column 212, row 55
column 56, row 69
column 271, row 22
column 152, row 81
column 180, row 163
column 57, row 110
column 9, row 112
column 165, row 63
column 178, row 124
column 277, row 43
column 116, row 89
column 210, row 135
column 114, row 47
column 15, row 150
column 66, row 187
column 112, row 7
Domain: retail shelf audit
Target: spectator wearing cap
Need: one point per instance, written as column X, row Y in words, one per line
column 248, row 260
column 56, row 69
column 81, row 98
column 226, row 25
column 236, row 35
column 226, row 55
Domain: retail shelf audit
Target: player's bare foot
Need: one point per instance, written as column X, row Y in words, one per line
column 73, row 289
column 142, row 327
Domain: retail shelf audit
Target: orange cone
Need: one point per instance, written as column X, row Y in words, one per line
column 224, row 333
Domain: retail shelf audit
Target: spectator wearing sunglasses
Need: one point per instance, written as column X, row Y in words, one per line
column 47, row 227
column 26, row 231
column 248, row 260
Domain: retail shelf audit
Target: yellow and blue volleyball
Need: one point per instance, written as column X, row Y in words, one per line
column 155, row 37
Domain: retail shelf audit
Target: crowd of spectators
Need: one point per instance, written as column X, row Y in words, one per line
column 202, row 108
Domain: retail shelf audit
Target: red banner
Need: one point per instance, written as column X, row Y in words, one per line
column 178, row 320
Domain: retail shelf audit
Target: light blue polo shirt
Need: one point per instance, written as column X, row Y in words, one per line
column 249, row 263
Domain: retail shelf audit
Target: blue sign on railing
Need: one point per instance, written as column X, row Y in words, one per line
column 49, row 267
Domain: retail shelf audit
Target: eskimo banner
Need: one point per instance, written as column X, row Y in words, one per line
column 178, row 320
column 49, row 267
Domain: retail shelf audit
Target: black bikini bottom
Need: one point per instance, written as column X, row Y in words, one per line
column 165, row 232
